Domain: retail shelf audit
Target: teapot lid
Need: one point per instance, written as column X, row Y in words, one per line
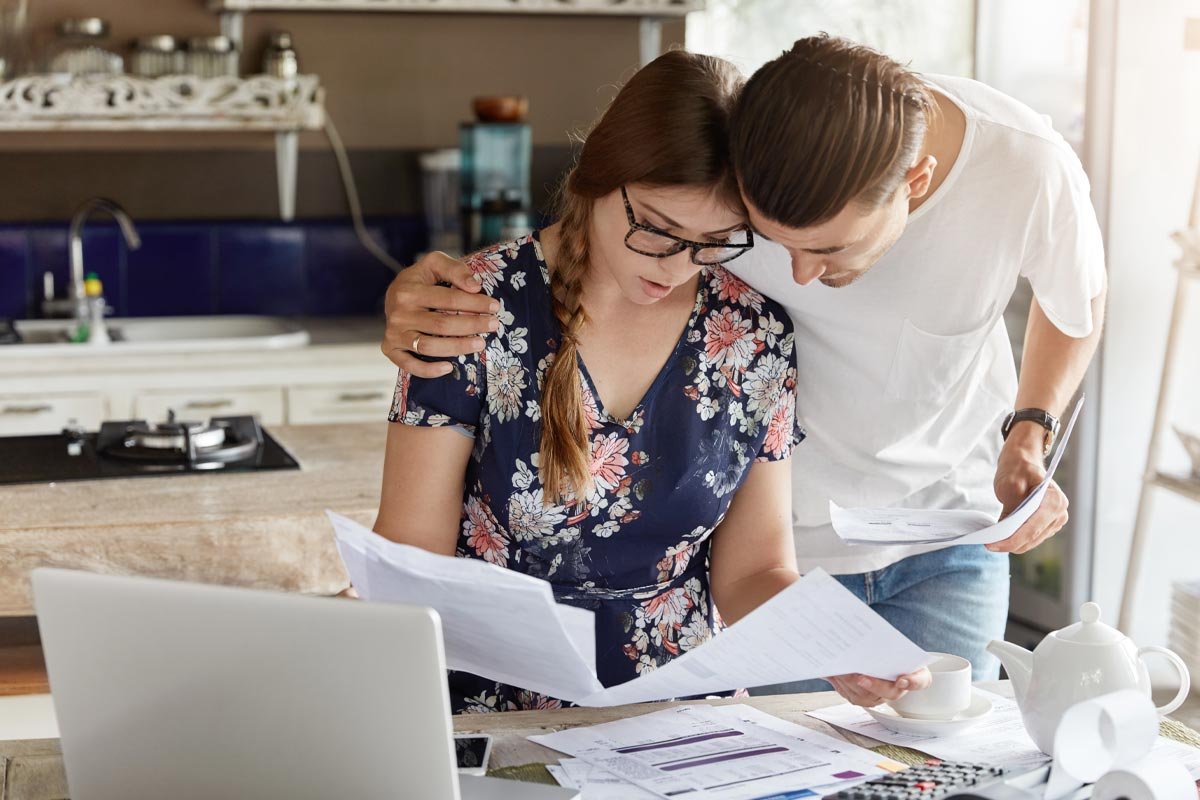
column 1089, row 629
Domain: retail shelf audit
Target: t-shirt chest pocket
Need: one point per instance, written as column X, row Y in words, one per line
column 927, row 367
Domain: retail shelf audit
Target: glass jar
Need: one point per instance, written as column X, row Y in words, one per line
column 155, row 56
column 212, row 57
column 280, row 59
column 78, row 50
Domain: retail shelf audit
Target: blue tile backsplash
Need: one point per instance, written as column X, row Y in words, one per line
column 224, row 267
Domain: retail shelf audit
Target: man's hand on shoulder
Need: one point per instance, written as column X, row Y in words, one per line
column 433, row 320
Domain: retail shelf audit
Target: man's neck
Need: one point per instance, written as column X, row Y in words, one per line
column 944, row 142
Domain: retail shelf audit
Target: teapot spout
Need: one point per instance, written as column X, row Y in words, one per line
column 1018, row 663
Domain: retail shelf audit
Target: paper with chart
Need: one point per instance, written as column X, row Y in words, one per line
column 506, row 626
column 1000, row 739
column 907, row 526
column 720, row 753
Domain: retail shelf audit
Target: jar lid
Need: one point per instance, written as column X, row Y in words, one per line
column 84, row 27
column 163, row 43
column 210, row 44
column 280, row 40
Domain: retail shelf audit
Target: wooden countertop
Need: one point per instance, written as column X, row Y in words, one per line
column 263, row 529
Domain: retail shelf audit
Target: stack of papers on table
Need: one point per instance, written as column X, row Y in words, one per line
column 506, row 626
column 908, row 526
column 999, row 739
column 726, row 752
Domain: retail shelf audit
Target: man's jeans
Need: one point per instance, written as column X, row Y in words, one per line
column 953, row 600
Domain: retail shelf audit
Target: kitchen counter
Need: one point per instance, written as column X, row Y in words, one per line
column 265, row 529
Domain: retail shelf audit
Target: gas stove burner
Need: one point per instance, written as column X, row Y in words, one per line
column 175, row 442
column 172, row 435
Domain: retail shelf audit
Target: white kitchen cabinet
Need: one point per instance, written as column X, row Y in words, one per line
column 22, row 414
column 358, row 402
column 202, row 403
column 341, row 376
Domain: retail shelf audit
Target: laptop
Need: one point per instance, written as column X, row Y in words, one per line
column 169, row 689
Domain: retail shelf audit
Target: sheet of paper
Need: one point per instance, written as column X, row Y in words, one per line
column 495, row 622
column 560, row 775
column 595, row 783
column 887, row 526
column 1000, row 739
column 729, row 753
column 1185, row 754
column 27, row 716
column 506, row 626
column 811, row 629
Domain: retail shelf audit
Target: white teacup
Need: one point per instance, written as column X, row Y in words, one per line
column 949, row 693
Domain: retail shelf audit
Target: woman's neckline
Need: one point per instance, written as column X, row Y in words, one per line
column 664, row 370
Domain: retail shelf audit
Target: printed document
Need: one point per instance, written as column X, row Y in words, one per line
column 506, row 626
column 889, row 526
column 1000, row 739
column 726, row 752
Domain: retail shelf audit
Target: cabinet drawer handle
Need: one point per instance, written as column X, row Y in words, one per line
column 38, row 409
column 360, row 397
column 206, row 404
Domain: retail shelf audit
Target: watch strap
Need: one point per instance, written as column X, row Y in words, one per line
column 1038, row 415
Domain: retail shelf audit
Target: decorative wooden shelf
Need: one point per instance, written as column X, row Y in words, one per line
column 259, row 103
column 627, row 8
column 178, row 102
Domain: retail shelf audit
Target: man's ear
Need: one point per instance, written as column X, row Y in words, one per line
column 919, row 176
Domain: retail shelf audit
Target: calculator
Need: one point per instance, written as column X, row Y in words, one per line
column 949, row 780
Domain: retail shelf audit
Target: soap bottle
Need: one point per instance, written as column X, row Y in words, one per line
column 97, row 327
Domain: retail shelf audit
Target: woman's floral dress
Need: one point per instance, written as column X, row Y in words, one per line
column 636, row 553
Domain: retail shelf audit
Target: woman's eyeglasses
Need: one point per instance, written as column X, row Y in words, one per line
column 650, row 241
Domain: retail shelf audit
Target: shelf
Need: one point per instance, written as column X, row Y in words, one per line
column 173, row 103
column 1179, row 484
column 256, row 104
column 625, row 8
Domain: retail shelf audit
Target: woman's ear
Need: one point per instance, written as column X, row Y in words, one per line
column 920, row 176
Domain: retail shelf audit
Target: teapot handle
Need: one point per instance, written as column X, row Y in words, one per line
column 1185, row 680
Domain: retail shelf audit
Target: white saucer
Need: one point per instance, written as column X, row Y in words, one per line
column 980, row 709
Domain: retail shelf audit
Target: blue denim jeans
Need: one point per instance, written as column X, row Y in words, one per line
column 953, row 600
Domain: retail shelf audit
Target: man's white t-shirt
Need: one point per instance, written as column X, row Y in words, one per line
column 905, row 375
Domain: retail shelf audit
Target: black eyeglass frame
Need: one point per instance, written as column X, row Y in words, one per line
column 684, row 244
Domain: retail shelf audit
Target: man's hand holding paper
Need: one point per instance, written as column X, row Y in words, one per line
column 1034, row 508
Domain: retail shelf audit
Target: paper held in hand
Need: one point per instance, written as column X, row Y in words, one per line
column 907, row 526
column 506, row 626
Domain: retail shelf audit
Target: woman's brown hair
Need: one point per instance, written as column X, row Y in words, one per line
column 828, row 123
column 668, row 126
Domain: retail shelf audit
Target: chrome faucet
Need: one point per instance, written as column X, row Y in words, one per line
column 76, row 300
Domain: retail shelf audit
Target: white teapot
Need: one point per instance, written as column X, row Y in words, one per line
column 1081, row 661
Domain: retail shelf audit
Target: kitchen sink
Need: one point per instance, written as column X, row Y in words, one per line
column 42, row 337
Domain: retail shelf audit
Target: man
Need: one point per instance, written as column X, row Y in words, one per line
column 898, row 214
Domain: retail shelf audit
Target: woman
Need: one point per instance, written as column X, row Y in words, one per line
column 625, row 431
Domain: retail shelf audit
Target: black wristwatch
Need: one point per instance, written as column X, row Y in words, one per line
column 1043, row 418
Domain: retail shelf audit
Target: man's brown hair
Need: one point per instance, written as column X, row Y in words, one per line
column 828, row 123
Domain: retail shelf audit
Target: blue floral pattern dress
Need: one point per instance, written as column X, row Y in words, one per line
column 636, row 551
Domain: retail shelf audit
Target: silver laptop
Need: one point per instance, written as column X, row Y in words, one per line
column 167, row 689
